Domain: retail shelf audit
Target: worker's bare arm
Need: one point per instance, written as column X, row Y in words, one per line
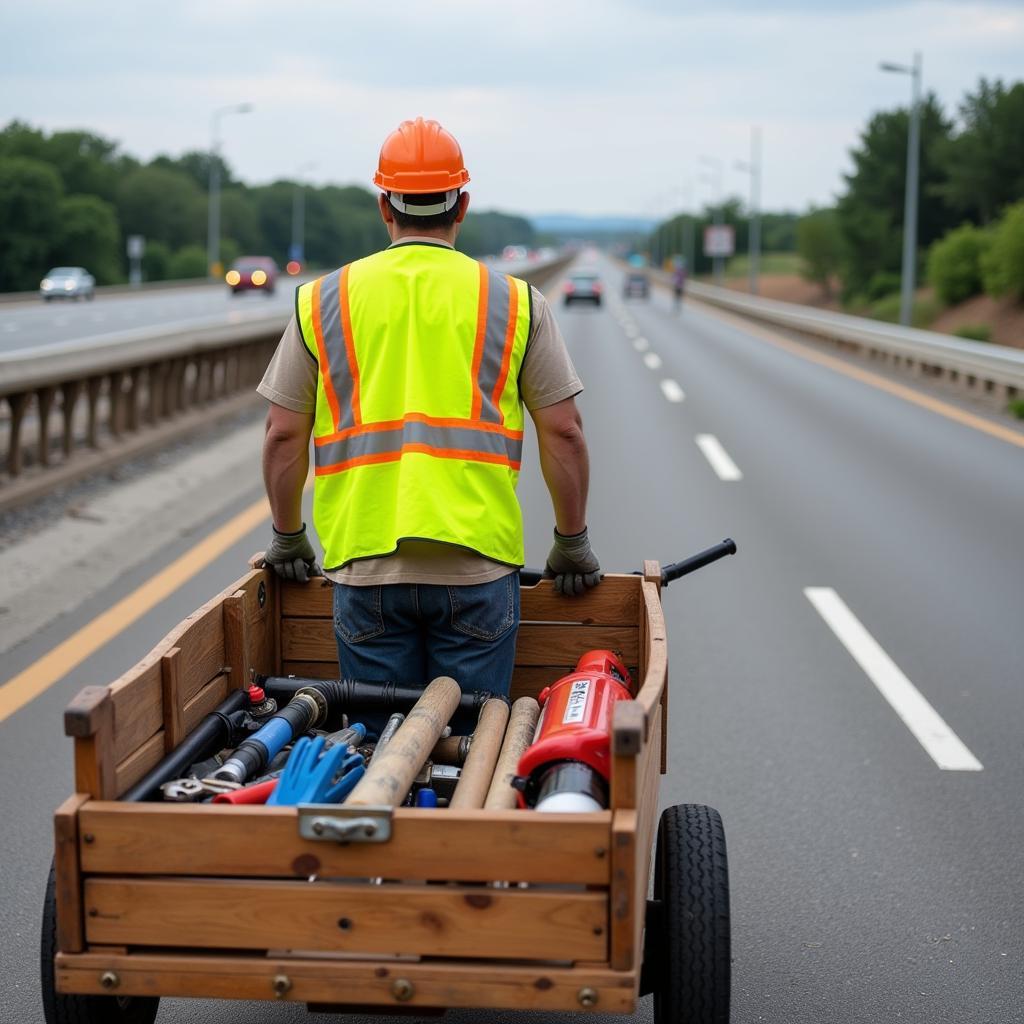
column 564, row 462
column 286, row 464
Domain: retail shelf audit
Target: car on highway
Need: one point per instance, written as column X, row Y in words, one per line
column 582, row 286
column 252, row 273
column 67, row 283
column 636, row 283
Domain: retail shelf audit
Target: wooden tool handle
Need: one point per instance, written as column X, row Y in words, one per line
column 518, row 736
column 482, row 757
column 389, row 776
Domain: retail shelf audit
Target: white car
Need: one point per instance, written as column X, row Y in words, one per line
column 67, row 283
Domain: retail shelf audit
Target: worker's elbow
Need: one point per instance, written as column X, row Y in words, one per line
column 565, row 437
column 285, row 432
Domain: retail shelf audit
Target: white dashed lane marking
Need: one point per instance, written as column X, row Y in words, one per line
column 672, row 391
column 943, row 745
column 718, row 457
column 641, row 344
column 652, row 361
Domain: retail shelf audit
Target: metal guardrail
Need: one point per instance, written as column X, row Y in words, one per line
column 995, row 370
column 77, row 406
column 123, row 289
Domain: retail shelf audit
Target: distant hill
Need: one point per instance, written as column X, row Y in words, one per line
column 582, row 226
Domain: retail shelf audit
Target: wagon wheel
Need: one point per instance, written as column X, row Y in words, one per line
column 61, row 1009
column 686, row 948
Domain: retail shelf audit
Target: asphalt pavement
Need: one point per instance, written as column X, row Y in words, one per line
column 868, row 631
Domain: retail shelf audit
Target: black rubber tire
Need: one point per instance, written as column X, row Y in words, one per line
column 692, row 952
column 61, row 1009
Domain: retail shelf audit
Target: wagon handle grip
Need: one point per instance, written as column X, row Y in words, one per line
column 531, row 577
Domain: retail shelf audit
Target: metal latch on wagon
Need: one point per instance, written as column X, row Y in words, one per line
column 333, row 824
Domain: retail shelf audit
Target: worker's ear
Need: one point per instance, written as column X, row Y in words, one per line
column 385, row 208
column 463, row 207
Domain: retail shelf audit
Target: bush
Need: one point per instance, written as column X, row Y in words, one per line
column 1016, row 408
column 156, row 259
column 882, row 284
column 954, row 263
column 187, row 262
column 974, row 332
column 1002, row 266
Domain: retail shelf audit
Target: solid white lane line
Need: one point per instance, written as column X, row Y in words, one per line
column 641, row 344
column 718, row 457
column 672, row 391
column 652, row 361
column 946, row 749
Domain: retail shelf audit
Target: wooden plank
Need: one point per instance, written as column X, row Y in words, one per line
column 307, row 640
column 656, row 673
column 307, row 600
column 82, row 714
column 95, row 768
column 429, row 920
column 236, row 641
column 137, row 763
column 67, row 875
column 138, row 708
column 616, row 602
column 173, row 702
column 647, row 820
column 205, row 701
column 239, row 841
column 624, row 859
column 201, row 639
column 435, row 984
column 261, row 621
column 311, row 669
column 543, row 644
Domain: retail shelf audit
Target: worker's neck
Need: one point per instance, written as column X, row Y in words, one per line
column 445, row 235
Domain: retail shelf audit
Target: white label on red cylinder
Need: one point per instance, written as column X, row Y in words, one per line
column 576, row 702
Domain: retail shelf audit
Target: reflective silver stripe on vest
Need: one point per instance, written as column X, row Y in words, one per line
column 334, row 343
column 384, row 442
column 494, row 343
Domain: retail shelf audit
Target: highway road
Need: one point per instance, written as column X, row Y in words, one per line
column 848, row 690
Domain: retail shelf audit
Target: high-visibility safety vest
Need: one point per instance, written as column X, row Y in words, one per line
column 418, row 431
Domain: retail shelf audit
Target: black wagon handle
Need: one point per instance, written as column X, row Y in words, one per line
column 531, row 577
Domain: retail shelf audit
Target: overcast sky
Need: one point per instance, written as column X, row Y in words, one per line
column 589, row 106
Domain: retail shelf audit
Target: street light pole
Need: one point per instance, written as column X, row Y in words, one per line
column 753, row 168
column 298, row 246
column 718, row 217
column 213, row 200
column 909, row 272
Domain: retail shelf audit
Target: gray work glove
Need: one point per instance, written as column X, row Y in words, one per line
column 292, row 556
column 573, row 564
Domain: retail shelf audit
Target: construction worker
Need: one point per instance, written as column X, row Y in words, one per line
column 411, row 368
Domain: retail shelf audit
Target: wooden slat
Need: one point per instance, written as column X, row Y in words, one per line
column 202, row 647
column 307, row 640
column 351, row 982
column 138, row 708
column 95, row 768
column 543, row 644
column 624, row 844
column 226, row 840
column 403, row 919
column 173, row 701
column 236, row 640
column 311, row 669
column 261, row 617
column 70, row 934
column 307, row 600
column 205, row 701
column 616, row 602
column 656, row 674
column 137, row 763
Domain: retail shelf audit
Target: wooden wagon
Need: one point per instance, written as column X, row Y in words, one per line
column 491, row 909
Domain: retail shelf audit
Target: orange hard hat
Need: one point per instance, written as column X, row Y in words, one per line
column 420, row 157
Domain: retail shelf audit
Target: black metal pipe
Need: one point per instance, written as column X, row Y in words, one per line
column 698, row 561
column 353, row 695
column 215, row 732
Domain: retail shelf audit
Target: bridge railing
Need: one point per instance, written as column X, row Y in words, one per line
column 76, row 407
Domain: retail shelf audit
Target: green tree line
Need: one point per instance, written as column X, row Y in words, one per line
column 73, row 197
column 970, row 213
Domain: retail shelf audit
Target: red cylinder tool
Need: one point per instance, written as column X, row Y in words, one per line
column 568, row 765
column 257, row 794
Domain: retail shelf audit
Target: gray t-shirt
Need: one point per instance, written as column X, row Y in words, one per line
column 546, row 376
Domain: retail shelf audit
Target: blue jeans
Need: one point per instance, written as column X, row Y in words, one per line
column 410, row 633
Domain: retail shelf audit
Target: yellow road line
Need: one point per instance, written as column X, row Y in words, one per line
column 55, row 665
column 936, row 405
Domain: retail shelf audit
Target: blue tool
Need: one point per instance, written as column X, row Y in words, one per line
column 426, row 798
column 316, row 776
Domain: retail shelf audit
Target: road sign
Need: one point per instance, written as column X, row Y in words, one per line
column 719, row 240
column 136, row 246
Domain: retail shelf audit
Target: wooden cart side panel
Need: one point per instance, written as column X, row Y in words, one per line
column 136, row 764
column 205, row 701
column 244, row 841
column 656, row 672
column 478, row 922
column 615, row 603
column 352, row 982
column 632, row 838
column 67, row 875
column 95, row 767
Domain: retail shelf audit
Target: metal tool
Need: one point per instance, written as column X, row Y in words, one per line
column 192, row 790
column 387, row 734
